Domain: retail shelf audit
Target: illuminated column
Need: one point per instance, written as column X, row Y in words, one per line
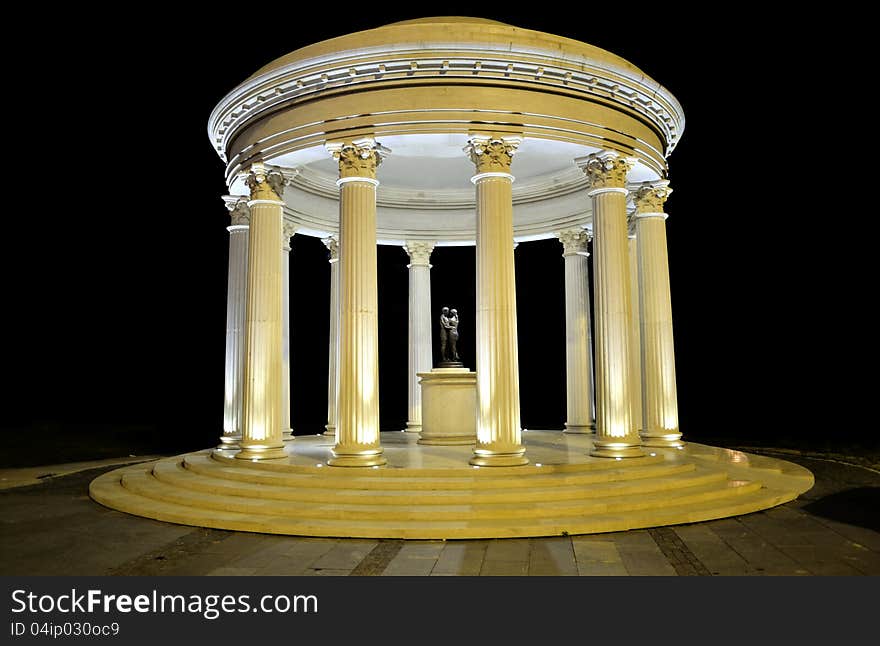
column 499, row 436
column 660, row 406
column 236, row 300
column 287, row 234
column 635, row 332
column 578, row 333
column 615, row 435
column 261, row 428
column 420, row 341
column 357, row 423
column 333, row 362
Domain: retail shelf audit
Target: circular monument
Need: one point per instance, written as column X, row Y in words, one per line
column 469, row 132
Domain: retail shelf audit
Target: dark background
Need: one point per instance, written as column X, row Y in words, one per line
column 115, row 247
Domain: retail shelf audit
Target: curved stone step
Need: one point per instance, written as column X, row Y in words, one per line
column 108, row 490
column 279, row 466
column 145, row 484
column 173, row 473
column 363, row 479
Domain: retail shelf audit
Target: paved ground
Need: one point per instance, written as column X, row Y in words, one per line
column 54, row 528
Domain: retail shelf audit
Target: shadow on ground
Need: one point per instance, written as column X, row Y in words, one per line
column 860, row 506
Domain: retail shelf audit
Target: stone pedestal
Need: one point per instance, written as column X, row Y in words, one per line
column 449, row 406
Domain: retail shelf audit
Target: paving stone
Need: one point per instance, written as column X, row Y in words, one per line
column 508, row 549
column 345, row 555
column 643, row 556
column 597, row 557
column 755, row 550
column 713, row 552
column 552, row 557
column 504, row 568
column 461, row 557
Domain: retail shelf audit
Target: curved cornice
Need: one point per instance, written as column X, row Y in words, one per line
column 401, row 64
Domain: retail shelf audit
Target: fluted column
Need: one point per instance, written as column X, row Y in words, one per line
column 578, row 333
column 499, row 436
column 615, row 434
column 660, row 405
column 261, row 429
column 236, row 301
column 420, row 341
column 357, row 424
column 287, row 233
column 635, row 332
column 333, row 361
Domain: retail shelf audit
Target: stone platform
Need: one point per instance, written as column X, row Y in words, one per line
column 430, row 492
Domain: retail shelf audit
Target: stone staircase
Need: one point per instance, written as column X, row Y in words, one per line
column 208, row 489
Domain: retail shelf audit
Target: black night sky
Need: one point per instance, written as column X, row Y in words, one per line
column 115, row 246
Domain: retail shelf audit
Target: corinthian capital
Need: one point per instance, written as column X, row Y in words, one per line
column 333, row 247
column 358, row 158
column 288, row 229
column 651, row 196
column 239, row 211
column 265, row 183
column 492, row 153
column 606, row 169
column 574, row 241
column 419, row 253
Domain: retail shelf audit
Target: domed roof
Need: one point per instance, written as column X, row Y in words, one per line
column 471, row 33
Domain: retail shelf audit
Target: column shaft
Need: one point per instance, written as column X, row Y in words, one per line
column 333, row 359
column 635, row 335
column 261, row 431
column 286, row 430
column 578, row 334
column 420, row 338
column 357, row 425
column 658, row 356
column 236, row 301
column 499, row 435
column 615, row 434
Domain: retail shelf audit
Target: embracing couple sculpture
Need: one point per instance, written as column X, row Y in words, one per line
column 449, row 337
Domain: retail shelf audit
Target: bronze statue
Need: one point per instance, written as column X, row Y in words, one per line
column 449, row 339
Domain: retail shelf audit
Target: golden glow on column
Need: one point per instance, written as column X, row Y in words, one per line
column 357, row 423
column 660, row 405
column 261, row 429
column 615, row 435
column 499, row 438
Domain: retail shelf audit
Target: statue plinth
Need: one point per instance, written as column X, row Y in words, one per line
column 449, row 406
column 450, row 364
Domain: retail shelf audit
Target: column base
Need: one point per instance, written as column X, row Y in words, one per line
column 413, row 427
column 229, row 442
column 662, row 440
column 331, row 430
column 580, row 429
column 490, row 458
column 287, row 435
column 364, row 458
column 261, row 452
column 613, row 448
